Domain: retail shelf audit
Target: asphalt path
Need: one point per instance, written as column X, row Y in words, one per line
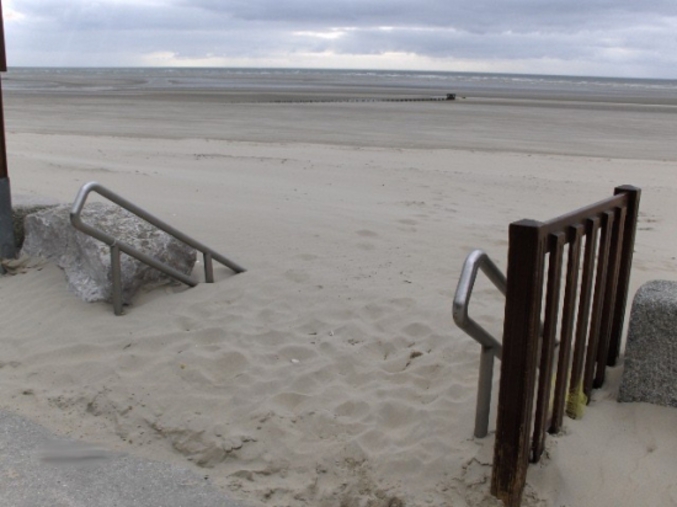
column 39, row 469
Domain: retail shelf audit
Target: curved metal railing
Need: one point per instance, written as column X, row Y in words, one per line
column 117, row 246
column 491, row 347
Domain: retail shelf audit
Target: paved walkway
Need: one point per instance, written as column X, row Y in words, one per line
column 38, row 469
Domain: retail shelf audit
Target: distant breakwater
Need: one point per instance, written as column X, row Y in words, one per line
column 451, row 96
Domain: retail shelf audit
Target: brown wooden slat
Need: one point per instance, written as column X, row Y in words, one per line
column 580, row 215
column 566, row 336
column 556, row 248
column 615, row 250
column 634, row 195
column 591, row 233
column 519, row 360
column 598, row 304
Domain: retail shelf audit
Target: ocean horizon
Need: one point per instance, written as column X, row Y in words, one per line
column 407, row 82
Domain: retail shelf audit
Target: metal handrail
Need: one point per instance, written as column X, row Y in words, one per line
column 117, row 246
column 491, row 347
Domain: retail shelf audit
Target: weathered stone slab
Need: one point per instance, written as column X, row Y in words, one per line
column 650, row 372
column 86, row 261
column 22, row 206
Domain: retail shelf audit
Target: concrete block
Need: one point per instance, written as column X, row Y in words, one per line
column 650, row 367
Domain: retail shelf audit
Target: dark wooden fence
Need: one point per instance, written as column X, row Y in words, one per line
column 588, row 254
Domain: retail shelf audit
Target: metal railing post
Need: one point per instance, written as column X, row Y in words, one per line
column 478, row 260
column 209, row 268
column 119, row 246
column 484, row 386
column 116, row 273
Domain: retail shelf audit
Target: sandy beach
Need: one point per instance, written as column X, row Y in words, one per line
column 330, row 373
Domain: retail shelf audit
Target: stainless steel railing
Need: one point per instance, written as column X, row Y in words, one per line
column 491, row 347
column 117, row 246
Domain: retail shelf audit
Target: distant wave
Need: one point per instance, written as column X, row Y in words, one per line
column 100, row 80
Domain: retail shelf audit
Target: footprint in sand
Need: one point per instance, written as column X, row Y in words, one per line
column 296, row 276
column 308, row 257
column 417, row 330
column 366, row 246
column 366, row 233
column 352, row 409
column 408, row 221
column 374, row 311
column 187, row 323
column 289, row 400
column 223, row 367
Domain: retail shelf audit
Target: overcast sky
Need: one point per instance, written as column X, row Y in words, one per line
column 628, row 38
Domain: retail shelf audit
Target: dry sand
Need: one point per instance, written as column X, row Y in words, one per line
column 329, row 374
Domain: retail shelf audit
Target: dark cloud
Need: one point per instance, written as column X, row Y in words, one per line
column 483, row 16
column 83, row 15
column 476, row 15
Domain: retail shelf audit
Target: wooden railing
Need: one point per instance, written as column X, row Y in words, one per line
column 578, row 337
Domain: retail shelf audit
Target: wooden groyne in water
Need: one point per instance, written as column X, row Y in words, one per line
column 449, row 96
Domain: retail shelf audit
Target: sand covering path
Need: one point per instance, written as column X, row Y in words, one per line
column 331, row 372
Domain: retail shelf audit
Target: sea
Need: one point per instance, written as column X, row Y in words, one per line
column 339, row 83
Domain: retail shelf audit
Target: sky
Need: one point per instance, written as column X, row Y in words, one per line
column 622, row 38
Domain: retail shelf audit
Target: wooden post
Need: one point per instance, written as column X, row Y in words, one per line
column 610, row 295
column 7, row 246
column 3, row 54
column 519, row 361
column 634, row 195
